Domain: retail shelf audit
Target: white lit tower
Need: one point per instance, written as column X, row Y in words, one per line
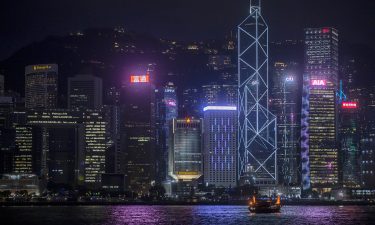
column 257, row 125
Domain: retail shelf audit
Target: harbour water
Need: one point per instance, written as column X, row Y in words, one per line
column 113, row 215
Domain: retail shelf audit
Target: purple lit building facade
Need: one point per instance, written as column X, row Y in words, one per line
column 220, row 146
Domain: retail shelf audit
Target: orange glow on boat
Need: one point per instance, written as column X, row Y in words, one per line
column 278, row 201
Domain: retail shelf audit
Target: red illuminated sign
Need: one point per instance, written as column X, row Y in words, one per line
column 325, row 30
column 349, row 105
column 140, row 79
column 318, row 82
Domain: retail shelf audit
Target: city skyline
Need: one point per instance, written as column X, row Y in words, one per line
column 111, row 116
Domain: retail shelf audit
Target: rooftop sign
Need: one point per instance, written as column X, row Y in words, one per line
column 140, row 79
column 318, row 82
column 349, row 105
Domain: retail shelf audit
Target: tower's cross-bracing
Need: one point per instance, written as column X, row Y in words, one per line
column 257, row 125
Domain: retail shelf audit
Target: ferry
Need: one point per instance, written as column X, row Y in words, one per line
column 264, row 205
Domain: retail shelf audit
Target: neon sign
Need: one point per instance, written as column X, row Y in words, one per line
column 171, row 102
column 318, row 82
column 289, row 79
column 325, row 30
column 140, row 79
column 349, row 105
column 169, row 90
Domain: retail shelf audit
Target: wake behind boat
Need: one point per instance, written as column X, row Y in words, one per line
column 264, row 205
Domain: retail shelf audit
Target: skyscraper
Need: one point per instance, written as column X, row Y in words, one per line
column 257, row 125
column 63, row 149
column 349, row 136
column 319, row 152
column 71, row 146
column 114, row 155
column 321, row 53
column 56, row 148
column 166, row 111
column 185, row 149
column 367, row 143
column 41, row 82
column 85, row 92
column 138, row 132
column 220, row 146
column 94, row 129
column 285, row 99
column 7, row 134
column 24, row 143
column 23, row 158
column 112, row 114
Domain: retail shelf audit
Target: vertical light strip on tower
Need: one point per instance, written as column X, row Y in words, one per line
column 257, row 125
column 305, row 133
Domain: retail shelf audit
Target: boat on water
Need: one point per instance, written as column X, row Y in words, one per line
column 264, row 205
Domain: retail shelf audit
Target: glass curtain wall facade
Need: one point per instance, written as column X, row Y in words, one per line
column 167, row 110
column 285, row 105
column 319, row 150
column 349, row 135
column 85, row 92
column 185, row 149
column 138, row 133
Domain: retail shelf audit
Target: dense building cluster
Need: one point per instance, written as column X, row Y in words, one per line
column 280, row 127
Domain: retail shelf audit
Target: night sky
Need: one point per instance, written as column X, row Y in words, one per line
column 26, row 21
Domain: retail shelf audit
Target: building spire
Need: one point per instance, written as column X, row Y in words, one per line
column 255, row 5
